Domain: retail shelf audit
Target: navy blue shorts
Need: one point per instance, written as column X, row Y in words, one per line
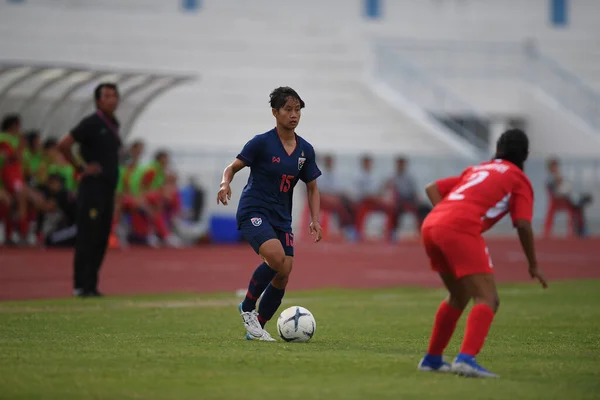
column 257, row 230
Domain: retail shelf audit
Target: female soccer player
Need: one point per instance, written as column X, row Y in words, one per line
column 465, row 206
column 277, row 160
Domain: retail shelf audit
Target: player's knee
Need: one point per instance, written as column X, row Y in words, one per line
column 496, row 305
column 280, row 280
column 491, row 300
column 494, row 302
column 21, row 195
column 277, row 262
column 458, row 302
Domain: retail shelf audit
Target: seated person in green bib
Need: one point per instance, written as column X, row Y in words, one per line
column 60, row 166
column 33, row 156
column 125, row 202
column 15, row 194
column 5, row 203
column 59, row 210
column 147, row 185
column 39, row 161
column 172, row 199
column 40, row 175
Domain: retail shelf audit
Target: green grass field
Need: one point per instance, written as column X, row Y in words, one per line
column 544, row 344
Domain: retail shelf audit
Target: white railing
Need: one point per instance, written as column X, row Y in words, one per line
column 394, row 69
column 569, row 90
column 493, row 60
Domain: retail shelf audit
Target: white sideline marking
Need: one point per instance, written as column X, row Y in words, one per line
column 205, row 303
column 560, row 258
column 141, row 304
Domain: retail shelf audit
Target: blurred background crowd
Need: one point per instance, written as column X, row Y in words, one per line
column 38, row 192
column 398, row 94
column 153, row 209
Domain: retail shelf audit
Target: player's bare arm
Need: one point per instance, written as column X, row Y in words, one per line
column 65, row 145
column 526, row 237
column 433, row 193
column 436, row 191
column 4, row 197
column 314, row 204
column 224, row 193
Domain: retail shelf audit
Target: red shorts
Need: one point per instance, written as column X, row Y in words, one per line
column 153, row 198
column 128, row 203
column 12, row 177
column 456, row 253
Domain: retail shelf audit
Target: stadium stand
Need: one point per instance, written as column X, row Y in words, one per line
column 241, row 50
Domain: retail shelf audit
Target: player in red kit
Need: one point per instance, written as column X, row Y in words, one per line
column 465, row 206
column 11, row 176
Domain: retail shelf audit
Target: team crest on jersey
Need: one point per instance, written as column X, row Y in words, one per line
column 301, row 161
column 256, row 221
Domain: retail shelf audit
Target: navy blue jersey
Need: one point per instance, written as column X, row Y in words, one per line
column 273, row 175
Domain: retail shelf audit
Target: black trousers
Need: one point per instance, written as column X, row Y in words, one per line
column 95, row 207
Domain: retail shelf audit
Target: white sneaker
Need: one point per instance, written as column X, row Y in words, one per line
column 426, row 365
column 266, row 337
column 174, row 241
column 153, row 241
column 251, row 323
column 467, row 366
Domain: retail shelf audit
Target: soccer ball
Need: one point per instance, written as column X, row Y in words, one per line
column 296, row 324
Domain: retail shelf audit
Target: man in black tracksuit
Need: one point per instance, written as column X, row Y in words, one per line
column 99, row 144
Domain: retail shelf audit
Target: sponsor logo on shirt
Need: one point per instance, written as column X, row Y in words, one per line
column 301, row 162
column 256, row 221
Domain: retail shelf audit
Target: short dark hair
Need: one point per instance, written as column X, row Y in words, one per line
column 552, row 161
column 161, row 153
column 366, row 157
column 108, row 85
column 9, row 121
column 513, row 146
column 55, row 176
column 50, row 143
column 279, row 97
column 31, row 136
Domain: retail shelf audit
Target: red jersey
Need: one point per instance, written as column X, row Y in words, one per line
column 477, row 199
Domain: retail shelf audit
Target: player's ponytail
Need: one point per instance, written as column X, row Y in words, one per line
column 513, row 146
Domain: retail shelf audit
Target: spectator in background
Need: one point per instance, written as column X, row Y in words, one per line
column 172, row 199
column 59, row 211
column 5, row 204
column 58, row 164
column 370, row 196
column 366, row 185
column 562, row 189
column 406, row 197
column 12, row 179
column 125, row 202
column 40, row 175
column 133, row 154
column 334, row 200
column 32, row 156
column 147, row 183
column 39, row 180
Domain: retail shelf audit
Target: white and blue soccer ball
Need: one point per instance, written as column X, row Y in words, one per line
column 296, row 324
